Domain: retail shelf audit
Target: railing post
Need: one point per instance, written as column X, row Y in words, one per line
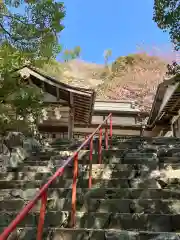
column 90, row 162
column 85, row 140
column 75, row 174
column 106, row 135
column 100, row 146
column 111, row 130
column 42, row 216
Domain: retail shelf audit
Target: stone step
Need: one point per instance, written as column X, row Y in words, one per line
column 150, row 162
column 126, row 145
column 25, row 175
column 140, row 206
column 147, row 139
column 66, row 147
column 96, row 173
column 105, row 160
column 96, row 183
column 143, row 160
column 99, row 193
column 120, row 143
column 44, row 154
column 29, row 233
column 24, row 169
column 49, row 153
column 82, row 167
column 34, row 163
column 64, row 183
column 115, row 152
column 123, row 157
column 170, row 159
column 58, row 155
column 120, row 221
column 173, row 166
column 171, row 152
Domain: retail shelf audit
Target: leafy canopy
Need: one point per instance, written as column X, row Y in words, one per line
column 32, row 26
column 29, row 32
column 167, row 17
column 71, row 54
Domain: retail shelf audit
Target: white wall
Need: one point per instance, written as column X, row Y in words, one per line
column 115, row 131
column 115, row 120
column 115, row 106
column 123, row 120
column 55, row 115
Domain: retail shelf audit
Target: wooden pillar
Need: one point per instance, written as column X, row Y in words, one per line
column 57, row 94
column 71, row 117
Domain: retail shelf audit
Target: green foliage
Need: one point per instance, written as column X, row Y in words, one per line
column 124, row 62
column 121, row 63
column 167, row 17
column 53, row 68
column 27, row 101
column 173, row 69
column 77, row 51
column 107, row 55
column 29, row 33
column 71, row 54
column 34, row 29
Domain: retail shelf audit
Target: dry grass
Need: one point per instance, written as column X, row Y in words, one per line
column 76, row 73
column 134, row 77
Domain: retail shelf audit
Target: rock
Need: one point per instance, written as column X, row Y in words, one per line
column 14, row 139
column 160, row 223
column 174, row 207
column 16, row 193
column 162, row 152
column 4, row 157
column 4, row 150
column 4, row 163
column 155, row 174
column 166, row 236
column 29, row 193
column 144, row 183
column 123, row 235
column 61, row 158
column 31, row 145
column 168, row 177
column 18, row 155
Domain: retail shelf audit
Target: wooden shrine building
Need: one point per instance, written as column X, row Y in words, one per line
column 64, row 105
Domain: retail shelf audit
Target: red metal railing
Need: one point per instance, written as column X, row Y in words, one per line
column 42, row 193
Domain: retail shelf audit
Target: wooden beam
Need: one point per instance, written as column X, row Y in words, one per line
column 55, row 103
column 85, row 131
column 71, row 117
column 57, row 96
column 126, row 127
column 92, row 106
column 53, row 82
column 174, row 105
column 119, row 113
column 82, row 97
column 50, row 129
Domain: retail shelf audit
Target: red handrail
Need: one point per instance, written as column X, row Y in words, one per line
column 42, row 193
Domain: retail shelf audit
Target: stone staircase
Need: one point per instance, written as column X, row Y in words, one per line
column 135, row 193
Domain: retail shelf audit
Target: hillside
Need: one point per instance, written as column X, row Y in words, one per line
column 134, row 77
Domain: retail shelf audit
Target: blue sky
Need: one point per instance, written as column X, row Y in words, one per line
column 119, row 25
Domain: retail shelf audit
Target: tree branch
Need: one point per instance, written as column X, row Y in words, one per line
column 8, row 33
column 13, row 16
